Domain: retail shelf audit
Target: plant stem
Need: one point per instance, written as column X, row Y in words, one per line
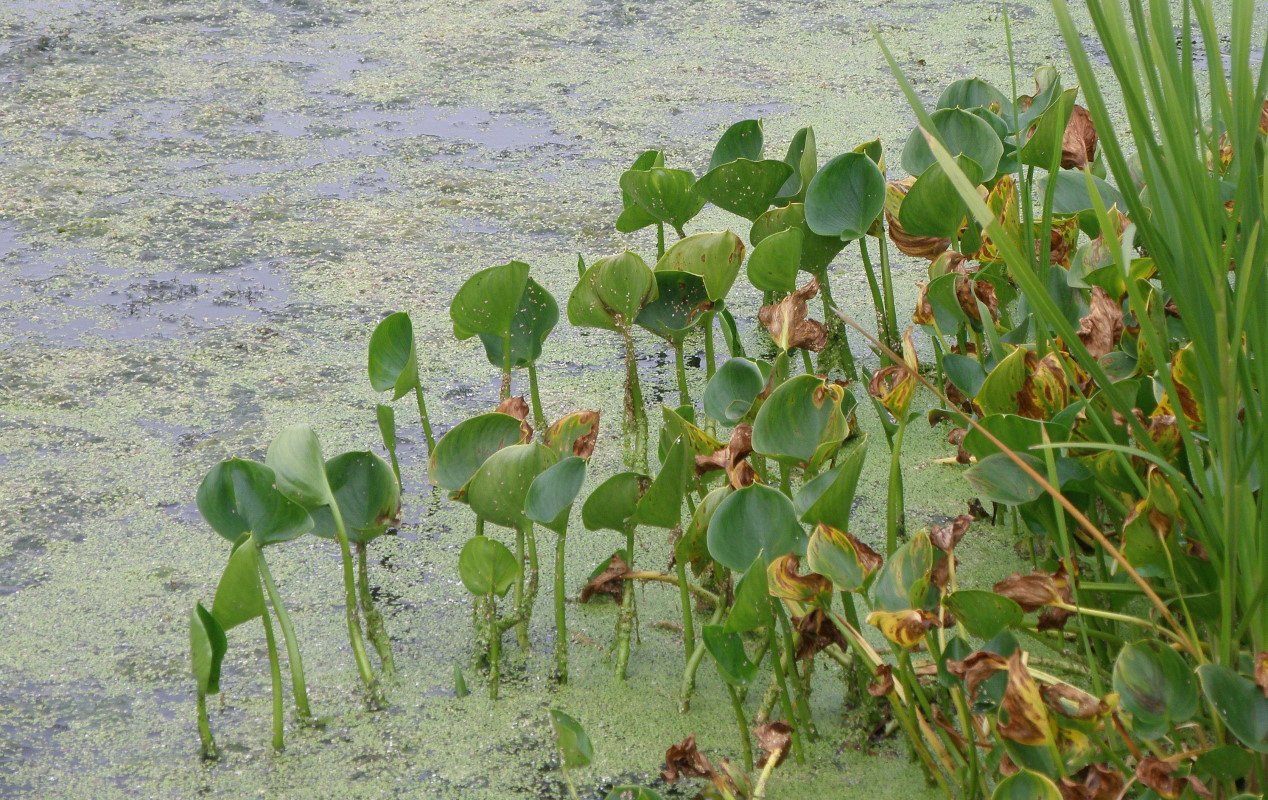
column 539, row 417
column 806, row 363
column 660, row 240
column 209, row 751
column 298, row 684
column 895, row 515
column 887, row 288
column 684, row 398
column 693, row 663
column 508, row 361
column 684, row 597
column 838, row 342
column 635, row 417
column 275, row 674
column 709, row 358
column 572, row 790
column 495, row 645
column 374, row 626
column 561, row 619
column 759, row 791
column 742, row 724
column 882, row 326
column 422, row 415
column 625, row 621
column 785, row 697
column 373, row 694
column 801, row 698
column 517, row 597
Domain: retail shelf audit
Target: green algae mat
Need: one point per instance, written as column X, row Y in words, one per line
column 205, row 208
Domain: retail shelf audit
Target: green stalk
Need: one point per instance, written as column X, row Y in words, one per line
column 517, row 596
column 887, row 287
column 660, row 240
column 742, row 725
column 801, row 694
column 561, row 619
column 684, row 398
column 422, row 415
column 275, row 673
column 209, row 751
column 508, row 363
column 374, row 626
column 838, row 342
column 495, row 645
column 878, row 303
column 785, row 697
column 709, row 359
column 684, row 597
column 293, row 660
column 572, row 790
column 625, row 620
column 635, row 416
column 539, row 417
column 806, row 363
column 693, row 663
column 895, row 516
column 373, row 693
column 530, row 596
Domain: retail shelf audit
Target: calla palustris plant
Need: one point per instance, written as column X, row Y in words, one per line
column 891, row 389
column 716, row 259
column 369, row 500
column 549, row 503
column 300, row 473
column 238, row 497
column 681, row 304
column 739, row 180
column 394, row 367
column 488, row 570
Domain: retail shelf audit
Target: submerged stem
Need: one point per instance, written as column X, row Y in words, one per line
column 374, row 697
column 209, row 751
column 561, row 619
column 895, row 515
column 296, row 665
column 373, row 619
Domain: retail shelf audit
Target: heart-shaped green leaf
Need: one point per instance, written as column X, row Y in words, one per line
column 488, row 301
column 933, row 206
column 612, row 292
column 570, row 738
column 904, row 580
column 613, row 503
column 750, row 609
column 207, row 646
column 744, row 187
column 971, row 93
column 727, row 649
column 845, row 197
column 828, row 497
column 751, row 521
column 667, row 195
column 714, row 256
column 984, row 614
column 462, row 450
column 535, row 318
column 239, row 598
column 661, row 505
column 680, row 305
column 633, row 216
column 368, row 496
column 1071, row 195
column 816, row 251
column 964, row 134
column 840, row 558
column 741, row 140
column 733, row 389
column 773, row 265
column 500, row 486
column 553, row 492
column 1156, row 686
column 393, row 361
column 300, row 471
column 1239, row 702
column 1026, row 785
column 1046, row 135
column 803, row 421
column 486, row 566
column 804, row 160
column 238, row 496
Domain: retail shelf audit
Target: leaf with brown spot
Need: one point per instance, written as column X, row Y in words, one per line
column 1031, row 592
column 732, row 458
column 1093, row 782
column 1078, row 143
column 684, row 760
column 976, row 668
column 514, row 406
column 908, row 244
column 946, row 537
column 894, row 386
column 1027, row 715
column 773, row 738
column 904, row 628
column 1158, row 775
column 577, row 432
column 787, row 321
column 610, row 581
column 783, row 580
column 1261, row 672
column 1102, row 328
column 1070, row 701
column 1003, row 203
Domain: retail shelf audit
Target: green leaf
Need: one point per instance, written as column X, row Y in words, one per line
column 667, row 195
column 903, row 581
column 661, row 505
column 462, row 450
column 1026, row 785
column 727, row 649
column 845, row 197
column 614, row 502
column 486, row 566
column 295, row 458
column 1156, row 686
column 500, row 486
column 983, row 613
column 574, row 745
column 612, row 292
column 744, row 187
column 573, row 434
column 207, row 646
column 385, row 415
column 733, row 389
column 238, row 496
column 1227, row 763
column 803, row 421
column 965, row 134
column 674, row 426
column 536, row 317
column 773, row 264
column 829, row 497
column 239, row 598
column 693, row 547
column 933, row 206
column 832, row 554
column 714, row 256
column 816, row 251
column 488, row 301
column 1048, row 131
column 1071, row 195
column 971, row 93
column 1016, row 432
column 804, row 160
column 681, row 304
column 632, row 793
column 633, row 216
column 741, row 140
column 750, row 609
column 965, row 372
column 368, row 496
column 552, row 493
column 393, row 360
column 1239, row 702
column 998, row 478
column 754, row 520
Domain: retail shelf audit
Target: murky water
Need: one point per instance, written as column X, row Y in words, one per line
column 205, row 207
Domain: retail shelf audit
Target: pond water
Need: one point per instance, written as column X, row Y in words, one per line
column 204, row 209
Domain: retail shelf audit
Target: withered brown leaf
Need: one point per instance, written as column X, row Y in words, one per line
column 788, row 324
column 684, row 760
column 773, row 738
column 1093, row 782
column 610, row 581
column 883, row 683
column 946, row 537
column 1101, row 329
column 976, row 668
column 1157, row 774
column 1078, row 143
column 817, row 633
column 1027, row 715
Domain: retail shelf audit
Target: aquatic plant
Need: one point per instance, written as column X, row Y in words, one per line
column 393, row 365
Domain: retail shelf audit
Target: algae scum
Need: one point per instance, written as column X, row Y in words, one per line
column 204, row 209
